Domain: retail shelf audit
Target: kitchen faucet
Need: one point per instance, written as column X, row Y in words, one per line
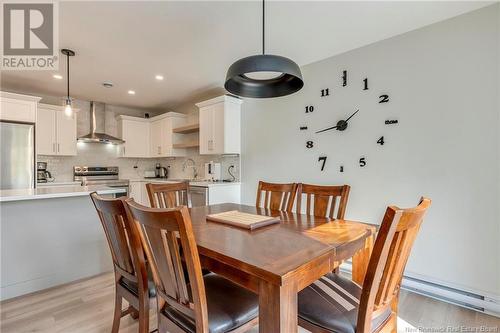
column 184, row 166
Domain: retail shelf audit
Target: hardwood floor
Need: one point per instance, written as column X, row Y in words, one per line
column 87, row 306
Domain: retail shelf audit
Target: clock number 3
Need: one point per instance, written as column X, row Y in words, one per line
column 322, row 159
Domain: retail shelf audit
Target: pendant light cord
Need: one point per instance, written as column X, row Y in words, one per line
column 263, row 27
column 67, row 73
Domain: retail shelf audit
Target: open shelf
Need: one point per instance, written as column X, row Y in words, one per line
column 187, row 129
column 186, row 145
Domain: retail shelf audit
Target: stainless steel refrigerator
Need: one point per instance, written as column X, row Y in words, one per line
column 17, row 155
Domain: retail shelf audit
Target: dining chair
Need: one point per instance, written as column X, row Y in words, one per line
column 276, row 196
column 168, row 195
column 336, row 304
column 322, row 200
column 131, row 271
column 207, row 303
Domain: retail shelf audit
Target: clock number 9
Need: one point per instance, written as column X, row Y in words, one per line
column 362, row 162
column 309, row 144
column 309, row 109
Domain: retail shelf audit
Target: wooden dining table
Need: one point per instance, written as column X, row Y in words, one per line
column 277, row 261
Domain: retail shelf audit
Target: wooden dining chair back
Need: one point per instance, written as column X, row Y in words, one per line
column 159, row 233
column 391, row 251
column 168, row 195
column 131, row 278
column 276, row 196
column 322, row 200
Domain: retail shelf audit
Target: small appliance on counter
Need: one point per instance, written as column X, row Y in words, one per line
column 159, row 172
column 42, row 174
column 213, row 171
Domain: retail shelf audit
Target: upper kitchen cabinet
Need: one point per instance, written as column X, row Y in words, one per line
column 220, row 130
column 55, row 131
column 151, row 137
column 162, row 135
column 135, row 132
column 17, row 107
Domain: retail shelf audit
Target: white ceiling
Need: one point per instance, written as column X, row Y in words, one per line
column 193, row 43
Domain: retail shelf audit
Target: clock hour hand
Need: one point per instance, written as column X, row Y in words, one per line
column 327, row 129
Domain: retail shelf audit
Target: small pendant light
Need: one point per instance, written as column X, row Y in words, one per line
column 68, row 110
column 263, row 75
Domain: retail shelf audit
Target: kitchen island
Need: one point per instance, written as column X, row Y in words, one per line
column 50, row 236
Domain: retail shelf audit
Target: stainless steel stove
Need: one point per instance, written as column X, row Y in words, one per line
column 107, row 176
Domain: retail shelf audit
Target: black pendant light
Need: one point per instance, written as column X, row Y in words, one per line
column 246, row 77
column 68, row 110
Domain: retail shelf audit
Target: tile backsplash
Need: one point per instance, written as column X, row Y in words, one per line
column 93, row 154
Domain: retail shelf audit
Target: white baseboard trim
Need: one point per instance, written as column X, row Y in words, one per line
column 489, row 304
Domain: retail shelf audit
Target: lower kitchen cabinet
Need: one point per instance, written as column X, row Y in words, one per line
column 137, row 191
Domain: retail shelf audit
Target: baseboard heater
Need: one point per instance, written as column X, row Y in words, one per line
column 481, row 303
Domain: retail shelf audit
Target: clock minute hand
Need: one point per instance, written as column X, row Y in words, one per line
column 351, row 115
column 326, row 129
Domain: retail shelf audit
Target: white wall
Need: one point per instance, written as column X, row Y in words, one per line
column 443, row 82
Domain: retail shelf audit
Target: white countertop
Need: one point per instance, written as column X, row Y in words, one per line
column 72, row 183
column 200, row 183
column 50, row 192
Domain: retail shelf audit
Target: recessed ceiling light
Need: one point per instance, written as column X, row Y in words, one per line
column 57, row 76
column 131, row 92
column 159, row 77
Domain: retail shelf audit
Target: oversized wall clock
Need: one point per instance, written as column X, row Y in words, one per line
column 339, row 121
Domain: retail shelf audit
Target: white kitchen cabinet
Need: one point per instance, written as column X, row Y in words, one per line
column 220, row 125
column 163, row 137
column 135, row 132
column 55, row 131
column 46, row 132
column 137, row 191
column 156, row 138
column 151, row 137
column 17, row 107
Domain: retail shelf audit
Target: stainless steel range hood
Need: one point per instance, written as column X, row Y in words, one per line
column 98, row 118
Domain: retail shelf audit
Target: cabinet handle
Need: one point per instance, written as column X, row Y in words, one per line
column 123, row 150
column 54, row 147
column 159, row 150
column 58, row 146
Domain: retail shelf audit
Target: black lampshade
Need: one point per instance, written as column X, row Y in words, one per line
column 238, row 83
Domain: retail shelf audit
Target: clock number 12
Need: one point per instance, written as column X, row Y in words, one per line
column 322, row 159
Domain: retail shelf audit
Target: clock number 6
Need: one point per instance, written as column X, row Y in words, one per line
column 322, row 158
column 362, row 162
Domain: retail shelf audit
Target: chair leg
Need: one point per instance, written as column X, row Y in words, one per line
column 144, row 316
column 117, row 314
